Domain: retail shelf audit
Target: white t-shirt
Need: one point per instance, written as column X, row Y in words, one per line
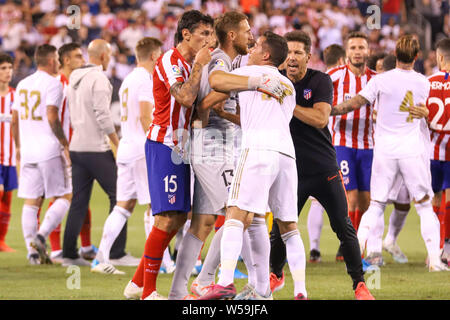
column 33, row 94
column 397, row 136
column 136, row 87
column 264, row 122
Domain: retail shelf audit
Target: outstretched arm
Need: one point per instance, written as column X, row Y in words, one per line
column 350, row 105
column 317, row 116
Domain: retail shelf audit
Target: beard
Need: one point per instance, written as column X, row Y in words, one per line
column 360, row 64
column 241, row 49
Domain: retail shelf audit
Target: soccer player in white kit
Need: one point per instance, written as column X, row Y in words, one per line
column 43, row 151
column 136, row 104
column 399, row 145
column 266, row 174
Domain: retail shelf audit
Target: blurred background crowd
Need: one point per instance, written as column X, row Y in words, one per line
column 29, row 23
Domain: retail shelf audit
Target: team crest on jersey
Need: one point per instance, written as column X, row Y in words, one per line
column 176, row 70
column 172, row 198
column 220, row 62
column 307, row 93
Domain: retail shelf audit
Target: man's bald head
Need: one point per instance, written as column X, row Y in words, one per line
column 99, row 52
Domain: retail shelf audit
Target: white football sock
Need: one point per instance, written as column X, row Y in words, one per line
column 375, row 240
column 230, row 248
column 396, row 223
column 314, row 224
column 180, row 234
column 248, row 258
column 167, row 258
column 54, row 215
column 113, row 225
column 430, row 230
column 187, row 257
column 369, row 221
column 295, row 253
column 149, row 220
column 212, row 260
column 260, row 252
column 29, row 225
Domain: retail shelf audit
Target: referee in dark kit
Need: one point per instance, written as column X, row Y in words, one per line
column 317, row 168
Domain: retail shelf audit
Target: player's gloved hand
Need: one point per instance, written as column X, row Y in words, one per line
column 268, row 84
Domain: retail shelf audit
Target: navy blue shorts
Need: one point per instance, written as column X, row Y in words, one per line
column 356, row 167
column 169, row 179
column 8, row 177
column 440, row 175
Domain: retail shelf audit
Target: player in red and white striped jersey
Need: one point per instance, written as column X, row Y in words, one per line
column 8, row 175
column 438, row 104
column 352, row 133
column 176, row 81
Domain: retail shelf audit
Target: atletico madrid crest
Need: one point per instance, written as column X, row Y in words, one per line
column 307, row 93
column 172, row 198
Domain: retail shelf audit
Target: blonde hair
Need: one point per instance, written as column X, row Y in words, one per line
column 145, row 47
column 407, row 48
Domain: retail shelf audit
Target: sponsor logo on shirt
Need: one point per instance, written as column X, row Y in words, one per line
column 220, row 62
column 307, row 93
column 176, row 70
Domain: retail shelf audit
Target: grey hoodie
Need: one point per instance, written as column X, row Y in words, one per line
column 89, row 97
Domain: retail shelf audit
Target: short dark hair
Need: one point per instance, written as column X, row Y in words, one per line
column 356, row 34
column 277, row 46
column 65, row 49
column 299, row 36
column 372, row 61
column 407, row 48
column 42, row 53
column 146, row 46
column 4, row 57
column 332, row 54
column 191, row 20
column 389, row 62
column 443, row 46
column 226, row 23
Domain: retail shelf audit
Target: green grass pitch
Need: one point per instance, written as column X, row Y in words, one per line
column 326, row 280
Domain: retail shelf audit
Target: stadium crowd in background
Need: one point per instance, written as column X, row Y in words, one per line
column 26, row 24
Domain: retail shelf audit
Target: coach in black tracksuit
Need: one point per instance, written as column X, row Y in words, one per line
column 318, row 171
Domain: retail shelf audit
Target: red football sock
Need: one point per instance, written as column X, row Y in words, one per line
column 358, row 216
column 351, row 215
column 219, row 222
column 55, row 238
column 85, row 233
column 5, row 213
column 138, row 277
column 156, row 243
column 39, row 218
column 447, row 220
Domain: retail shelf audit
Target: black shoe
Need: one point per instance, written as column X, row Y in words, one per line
column 339, row 255
column 40, row 246
column 314, row 256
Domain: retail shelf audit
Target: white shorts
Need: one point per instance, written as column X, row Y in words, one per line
column 49, row 179
column 399, row 193
column 415, row 173
column 132, row 181
column 264, row 178
column 212, row 182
